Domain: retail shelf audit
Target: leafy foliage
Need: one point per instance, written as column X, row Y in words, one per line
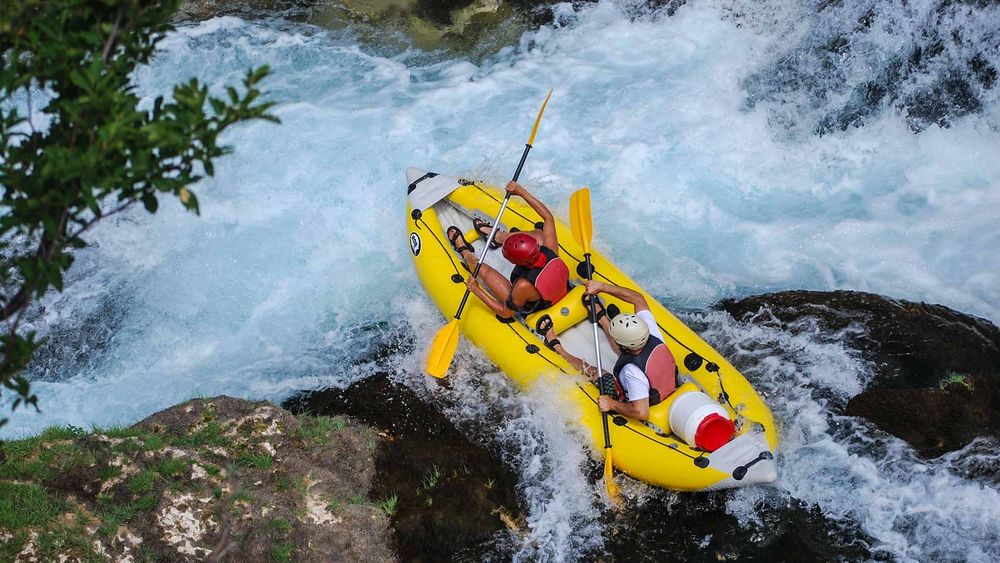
column 77, row 148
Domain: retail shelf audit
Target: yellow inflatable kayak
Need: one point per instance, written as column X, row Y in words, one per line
column 650, row 450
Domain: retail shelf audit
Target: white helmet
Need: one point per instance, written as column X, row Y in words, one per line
column 629, row 331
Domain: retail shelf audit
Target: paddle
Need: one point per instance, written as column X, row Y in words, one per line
column 583, row 230
column 446, row 340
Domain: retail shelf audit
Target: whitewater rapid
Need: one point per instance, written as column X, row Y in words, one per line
column 698, row 135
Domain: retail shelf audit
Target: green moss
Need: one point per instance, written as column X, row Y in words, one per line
column 130, row 446
column 962, row 379
column 108, row 471
column 61, row 433
column 280, row 525
column 301, row 485
column 10, row 548
column 208, row 414
column 66, row 456
column 371, row 440
column 42, row 457
column 143, row 482
column 69, row 540
column 26, row 504
column 283, row 551
column 21, row 467
column 153, row 442
column 209, row 435
column 244, row 496
column 115, row 514
column 252, row 459
column 172, row 466
column 388, row 505
column 318, row 429
column 119, row 432
column 431, row 478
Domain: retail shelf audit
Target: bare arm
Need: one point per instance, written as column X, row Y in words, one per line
column 623, row 293
column 549, row 225
column 496, row 306
column 633, row 409
column 523, row 292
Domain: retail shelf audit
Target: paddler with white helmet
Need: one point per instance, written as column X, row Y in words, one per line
column 646, row 372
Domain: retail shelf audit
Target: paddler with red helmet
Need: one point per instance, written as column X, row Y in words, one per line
column 539, row 278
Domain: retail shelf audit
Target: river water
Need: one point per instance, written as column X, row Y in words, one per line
column 732, row 148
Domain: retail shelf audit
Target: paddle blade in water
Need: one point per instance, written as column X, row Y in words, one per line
column 609, row 478
column 579, row 218
column 443, row 349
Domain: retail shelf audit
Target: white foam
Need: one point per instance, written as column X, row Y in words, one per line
column 915, row 509
column 300, row 255
column 536, row 432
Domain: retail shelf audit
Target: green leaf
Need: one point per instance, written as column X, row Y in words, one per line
column 104, row 149
column 150, row 202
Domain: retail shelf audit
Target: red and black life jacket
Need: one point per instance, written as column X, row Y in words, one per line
column 550, row 279
column 658, row 365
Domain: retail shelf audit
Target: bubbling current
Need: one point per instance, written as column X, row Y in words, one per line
column 713, row 175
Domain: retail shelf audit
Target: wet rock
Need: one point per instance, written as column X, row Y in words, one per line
column 668, row 527
column 912, row 344
column 934, row 420
column 455, row 24
column 205, row 477
column 453, row 496
column 937, row 371
column 205, row 9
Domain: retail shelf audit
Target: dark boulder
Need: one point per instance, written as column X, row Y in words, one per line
column 934, row 420
column 913, row 345
column 699, row 528
column 454, row 496
column 936, row 382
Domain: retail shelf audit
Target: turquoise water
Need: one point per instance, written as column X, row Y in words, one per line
column 699, row 137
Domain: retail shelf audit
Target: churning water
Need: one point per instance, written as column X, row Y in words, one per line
column 731, row 148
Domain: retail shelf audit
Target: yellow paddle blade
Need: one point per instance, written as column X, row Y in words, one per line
column 579, row 218
column 443, row 349
column 538, row 120
column 609, row 479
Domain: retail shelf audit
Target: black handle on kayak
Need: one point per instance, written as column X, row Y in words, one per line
column 493, row 232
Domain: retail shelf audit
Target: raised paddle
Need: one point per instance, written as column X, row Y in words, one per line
column 583, row 230
column 446, row 340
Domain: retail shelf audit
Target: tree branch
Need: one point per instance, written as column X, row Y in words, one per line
column 113, row 36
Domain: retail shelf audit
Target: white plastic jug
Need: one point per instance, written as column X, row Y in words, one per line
column 700, row 421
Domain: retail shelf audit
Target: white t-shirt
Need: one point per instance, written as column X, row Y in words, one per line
column 635, row 382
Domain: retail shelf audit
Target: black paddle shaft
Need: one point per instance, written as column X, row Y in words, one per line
column 503, row 207
column 602, row 381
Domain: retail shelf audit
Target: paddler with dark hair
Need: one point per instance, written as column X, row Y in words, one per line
column 646, row 372
column 539, row 278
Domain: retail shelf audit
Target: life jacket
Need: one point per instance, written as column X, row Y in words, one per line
column 550, row 280
column 656, row 363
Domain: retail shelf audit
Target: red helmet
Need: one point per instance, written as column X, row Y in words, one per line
column 521, row 249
